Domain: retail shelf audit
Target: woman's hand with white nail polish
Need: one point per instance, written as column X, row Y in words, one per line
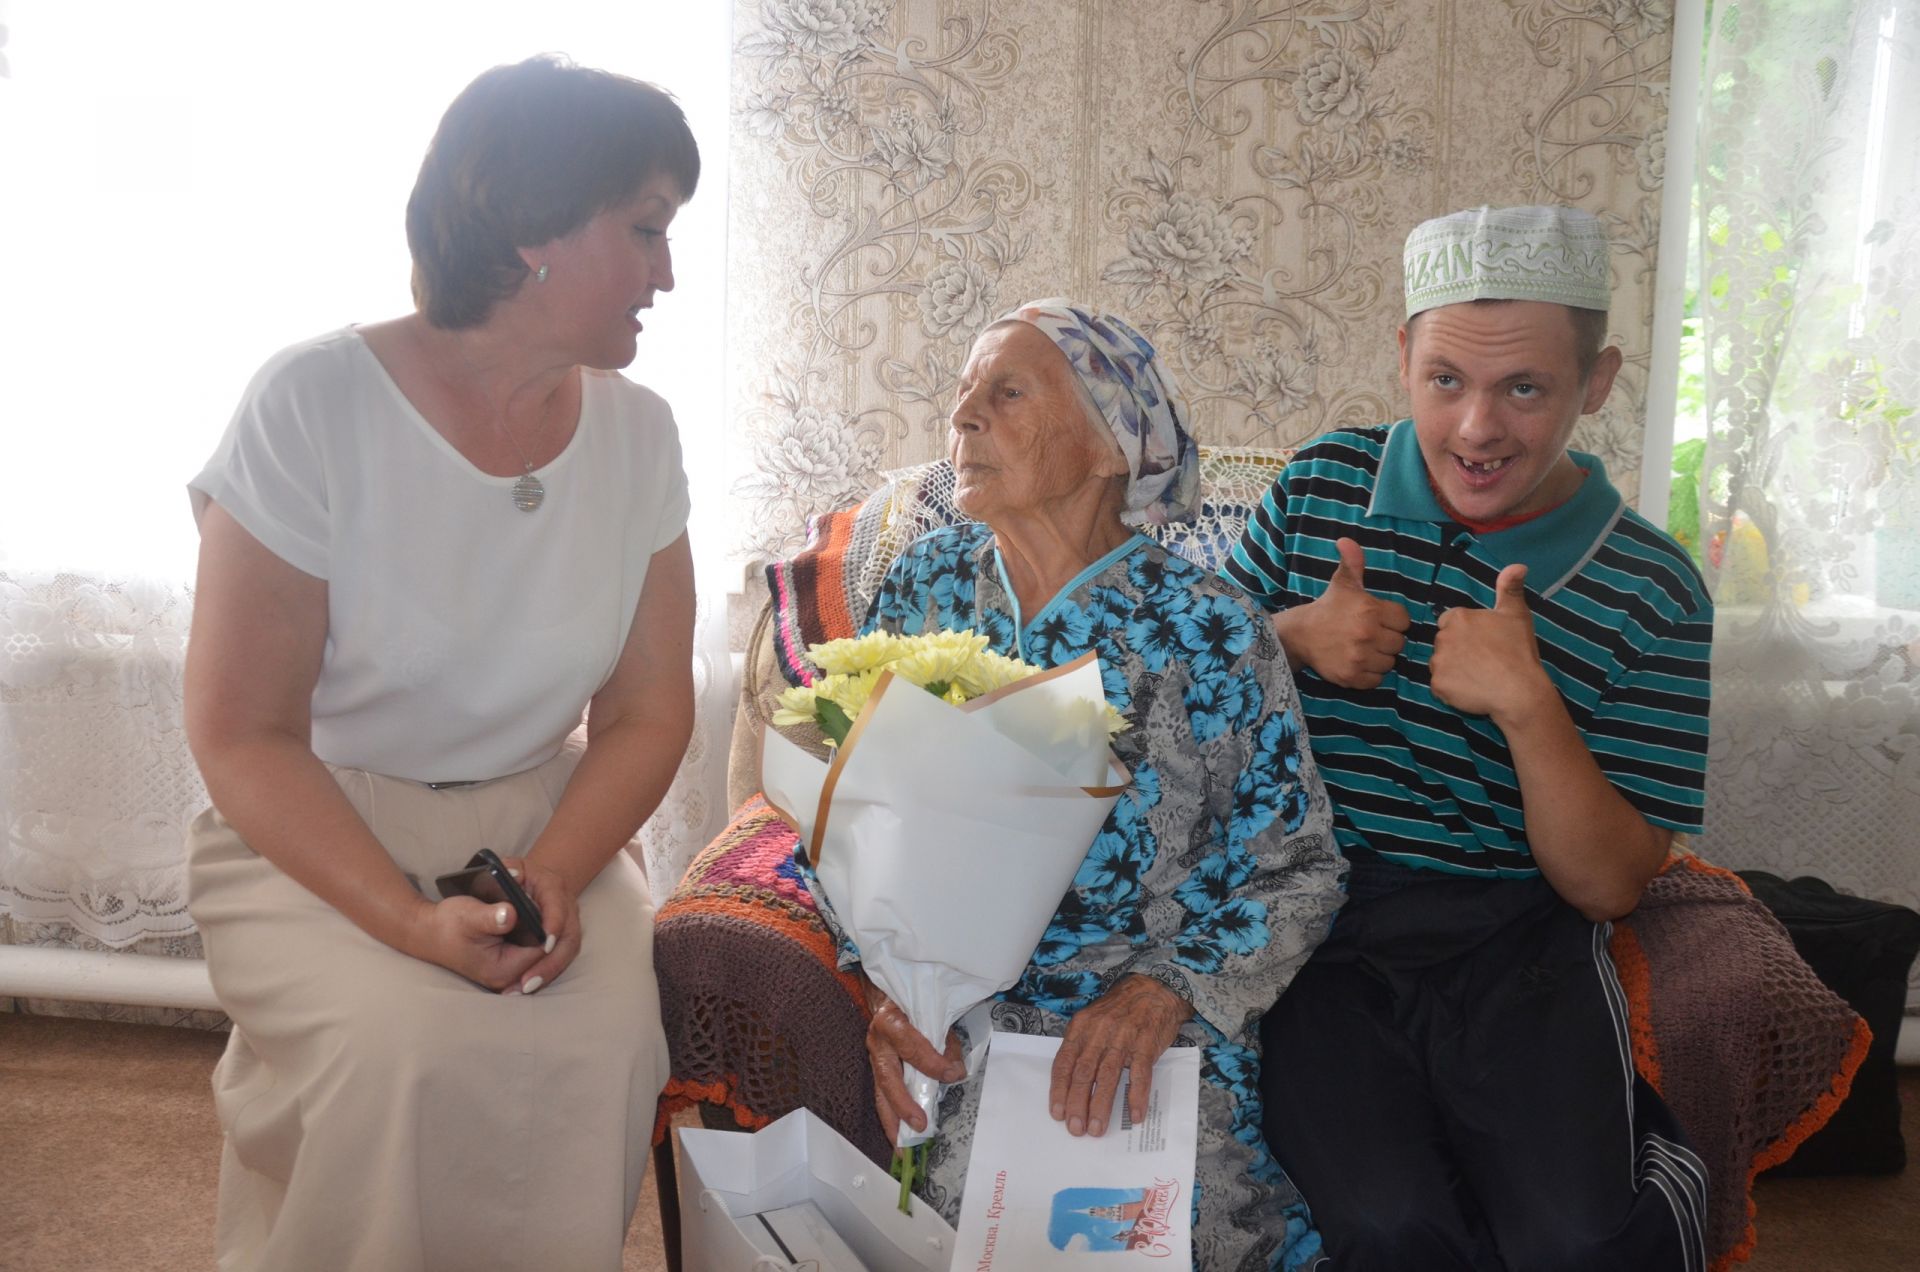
column 559, row 915
column 468, row 936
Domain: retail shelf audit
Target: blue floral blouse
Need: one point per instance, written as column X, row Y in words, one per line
column 1216, row 872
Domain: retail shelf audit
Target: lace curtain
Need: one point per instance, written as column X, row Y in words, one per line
column 97, row 786
column 1809, row 302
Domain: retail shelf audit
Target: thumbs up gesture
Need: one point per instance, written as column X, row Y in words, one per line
column 1346, row 634
column 1487, row 662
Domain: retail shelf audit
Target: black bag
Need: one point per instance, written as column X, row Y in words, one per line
column 1863, row 951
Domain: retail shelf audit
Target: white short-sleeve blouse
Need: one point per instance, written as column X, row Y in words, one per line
column 464, row 636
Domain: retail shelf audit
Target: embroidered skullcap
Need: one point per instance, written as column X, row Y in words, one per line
column 1136, row 395
column 1537, row 253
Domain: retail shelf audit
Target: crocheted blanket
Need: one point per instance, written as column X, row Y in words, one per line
column 758, row 1017
column 822, row 593
column 1751, row 1051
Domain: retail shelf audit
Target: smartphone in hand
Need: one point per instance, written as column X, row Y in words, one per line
column 487, row 877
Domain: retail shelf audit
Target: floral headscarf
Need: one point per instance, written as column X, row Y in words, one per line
column 1137, row 397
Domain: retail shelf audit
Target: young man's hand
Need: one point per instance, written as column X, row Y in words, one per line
column 1487, row 662
column 1593, row 846
column 1346, row 634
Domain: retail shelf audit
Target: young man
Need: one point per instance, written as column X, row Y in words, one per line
column 1504, row 671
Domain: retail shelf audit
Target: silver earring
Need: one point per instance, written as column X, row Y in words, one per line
column 540, row 275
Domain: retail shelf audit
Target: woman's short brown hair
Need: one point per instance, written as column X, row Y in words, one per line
column 526, row 154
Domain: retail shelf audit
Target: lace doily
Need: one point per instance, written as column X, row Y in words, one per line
column 912, row 501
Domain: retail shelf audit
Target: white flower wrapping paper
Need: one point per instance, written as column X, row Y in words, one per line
column 944, row 837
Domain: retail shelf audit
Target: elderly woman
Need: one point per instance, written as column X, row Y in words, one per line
column 427, row 547
column 1216, row 874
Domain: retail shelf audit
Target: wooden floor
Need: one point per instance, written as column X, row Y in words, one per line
column 110, row 1155
column 109, row 1161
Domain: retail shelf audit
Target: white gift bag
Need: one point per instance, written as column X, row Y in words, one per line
column 726, row 1178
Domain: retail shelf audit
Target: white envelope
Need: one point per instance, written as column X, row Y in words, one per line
column 1039, row 1198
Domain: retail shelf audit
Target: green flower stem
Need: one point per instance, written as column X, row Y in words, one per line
column 909, row 1165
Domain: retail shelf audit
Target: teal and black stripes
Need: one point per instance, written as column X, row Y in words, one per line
column 1626, row 638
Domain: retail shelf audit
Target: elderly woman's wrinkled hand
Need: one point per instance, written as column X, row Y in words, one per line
column 1126, row 1028
column 892, row 1041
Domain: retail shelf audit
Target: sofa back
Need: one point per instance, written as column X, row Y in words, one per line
column 823, row 593
column 913, row 501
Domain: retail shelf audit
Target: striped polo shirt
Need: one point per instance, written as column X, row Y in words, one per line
column 1622, row 617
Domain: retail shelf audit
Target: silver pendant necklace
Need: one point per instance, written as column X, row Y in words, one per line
column 528, row 492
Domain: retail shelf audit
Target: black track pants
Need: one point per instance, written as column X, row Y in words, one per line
column 1450, row 1083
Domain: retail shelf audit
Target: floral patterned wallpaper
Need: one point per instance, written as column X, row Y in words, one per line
column 1235, row 177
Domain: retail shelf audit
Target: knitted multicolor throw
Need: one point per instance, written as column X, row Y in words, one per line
column 757, row 1016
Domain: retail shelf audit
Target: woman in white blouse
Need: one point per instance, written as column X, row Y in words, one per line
column 427, row 546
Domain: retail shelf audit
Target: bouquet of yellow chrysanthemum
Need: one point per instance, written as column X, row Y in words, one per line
column 964, row 791
column 956, row 667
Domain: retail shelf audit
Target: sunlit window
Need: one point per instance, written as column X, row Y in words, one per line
column 1810, row 397
column 186, row 188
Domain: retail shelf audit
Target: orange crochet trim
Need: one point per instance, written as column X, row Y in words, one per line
column 1824, row 1107
column 681, row 1094
column 1687, row 861
column 728, row 903
column 1630, row 961
column 1795, row 1135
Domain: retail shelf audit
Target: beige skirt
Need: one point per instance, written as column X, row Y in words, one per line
column 383, row 1113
